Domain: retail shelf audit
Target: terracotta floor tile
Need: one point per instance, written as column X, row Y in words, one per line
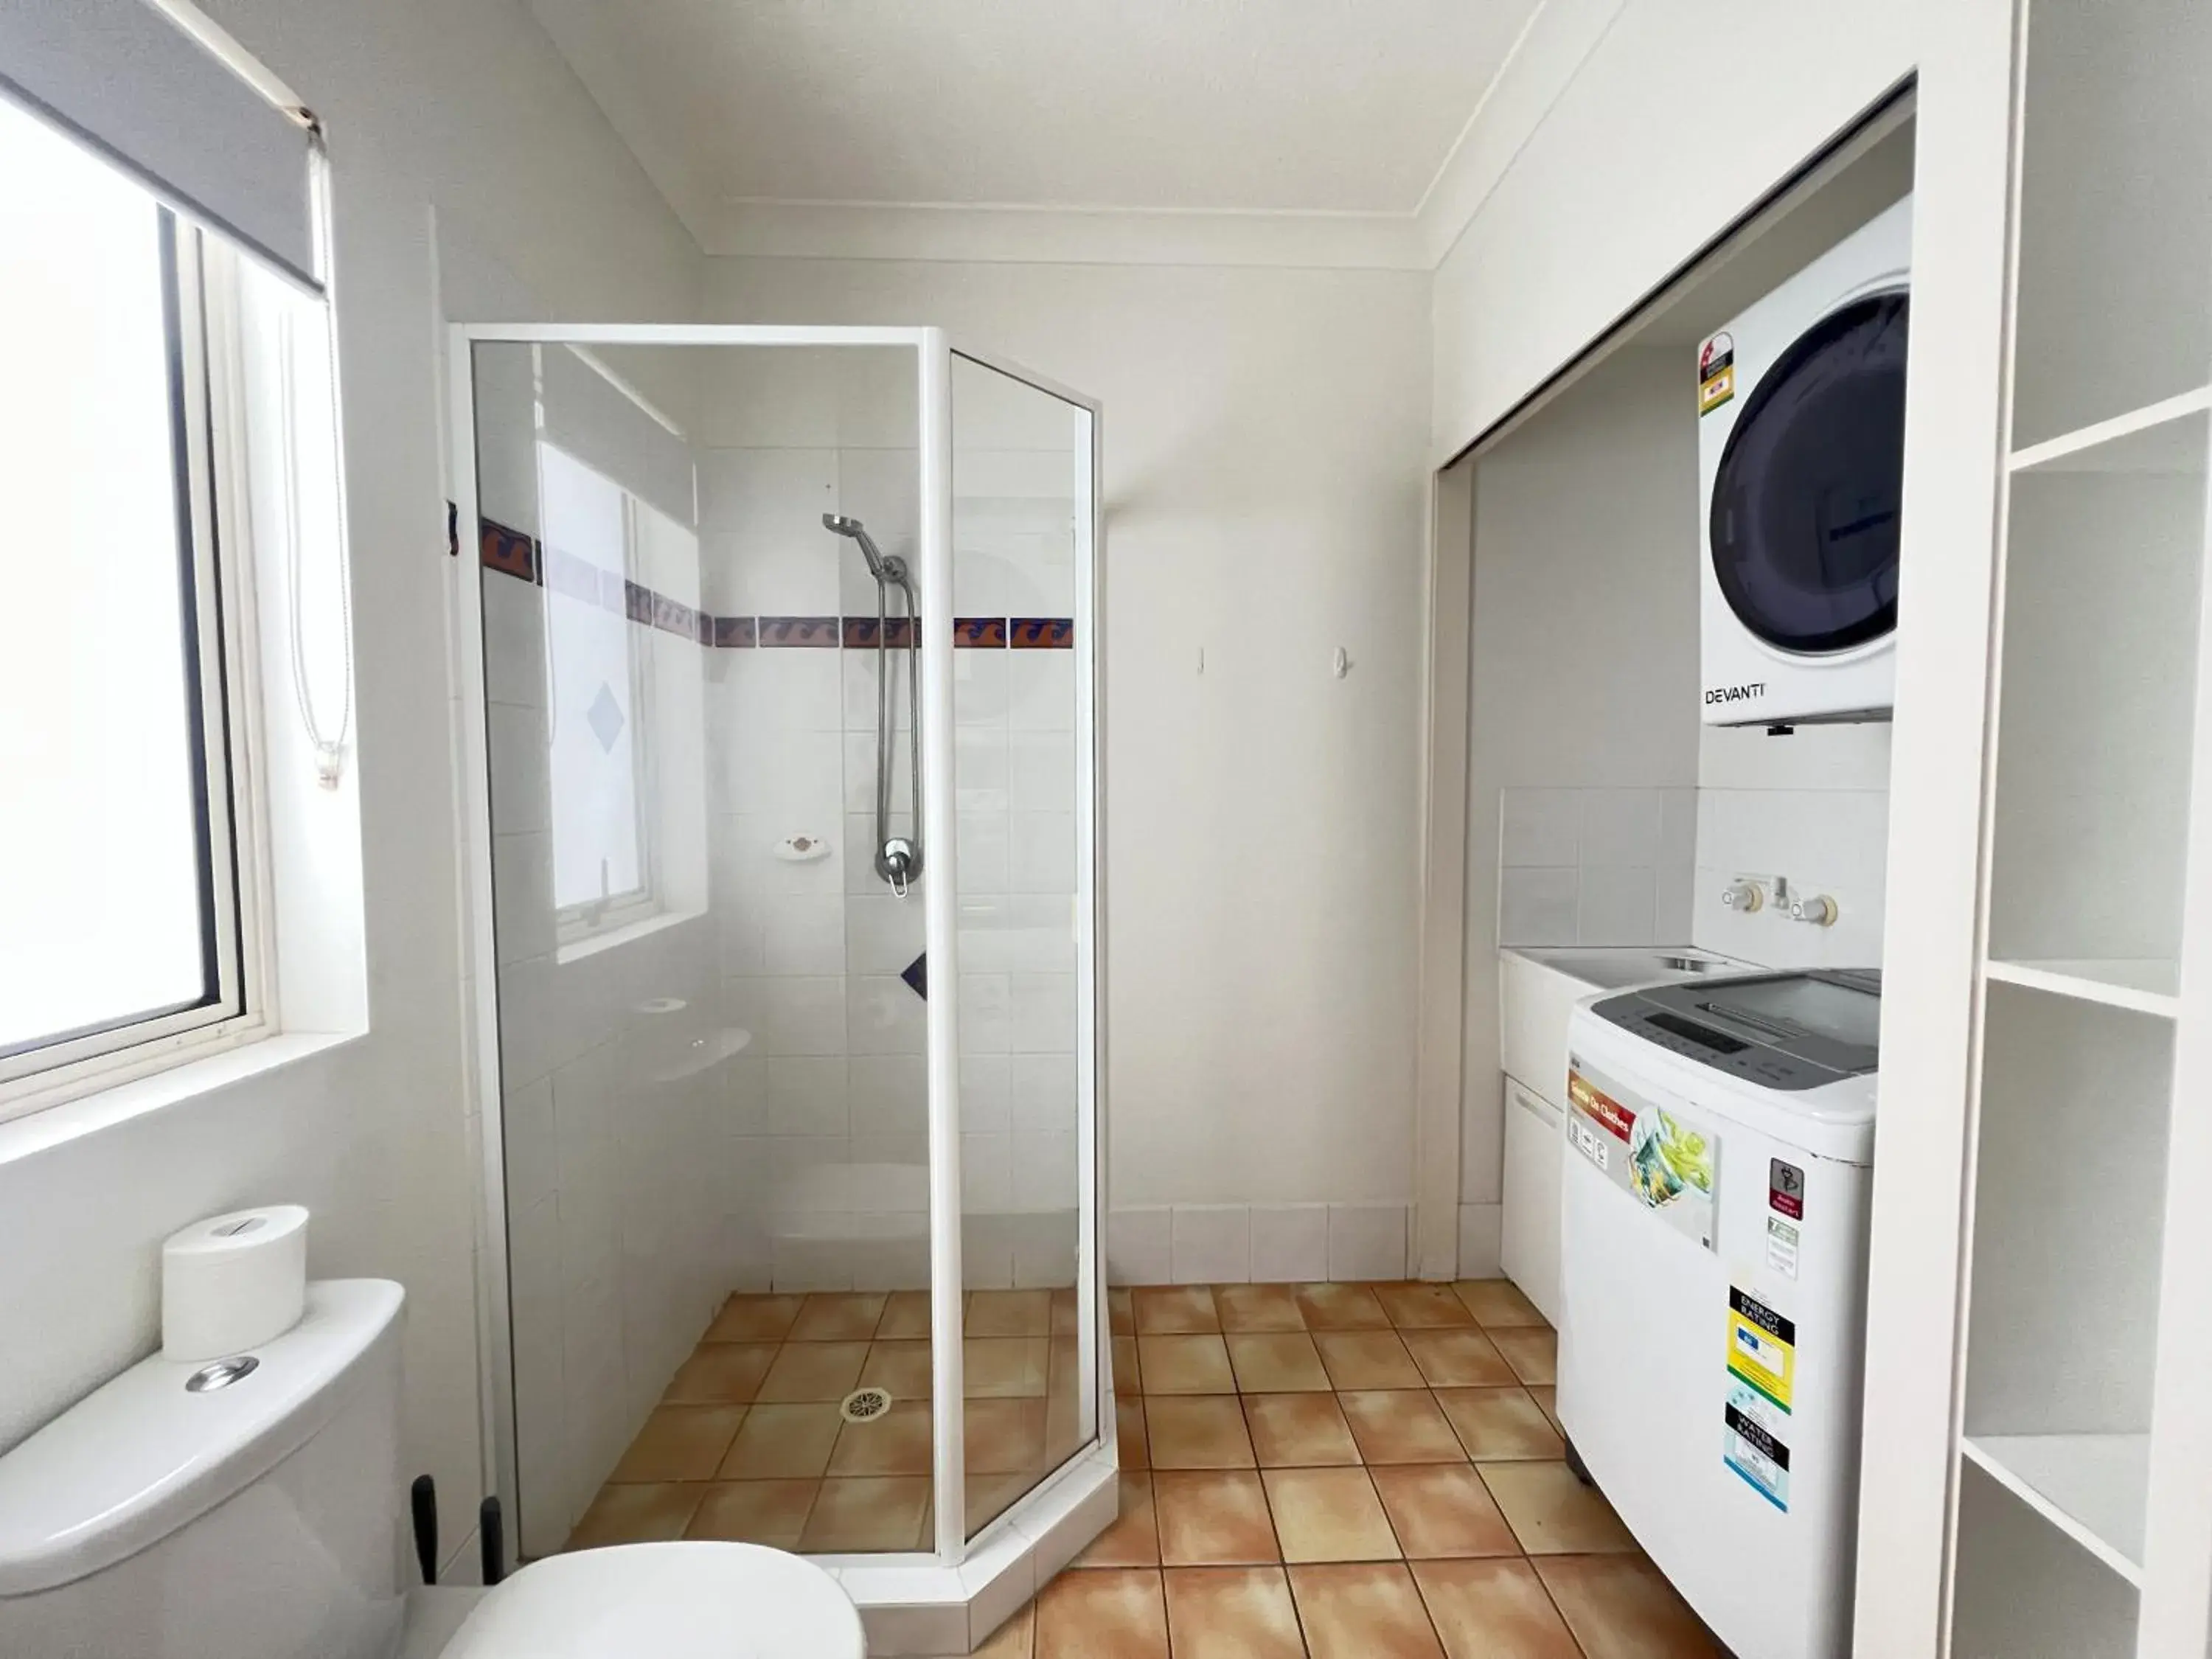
column 900, row 1369
column 1457, row 1359
column 1547, row 1396
column 1004, row 1437
column 1619, row 1607
column 813, row 1370
column 1129, row 1435
column 680, row 1442
column 1363, row 1611
column 839, row 1316
column 1009, row 1313
column 1493, row 1610
column 1120, row 1315
column 1128, row 1376
column 1134, row 1540
column 906, row 1317
column 897, row 1442
column 1197, row 1431
column 990, row 1495
column 1400, row 1426
column 1175, row 1309
column 1232, row 1612
column 1422, row 1307
column 722, row 1373
column 1066, row 1312
column 1329, row 1515
column 1442, row 1509
column 1367, row 1359
column 1258, row 1307
column 1496, row 1302
column 1342, row 1308
column 1005, row 1367
column 1185, row 1364
column 1533, row 1351
column 1014, row 1639
column 755, row 1319
column 866, row 1516
column 642, row 1514
column 1553, row 1513
column 1499, row 1425
column 770, row 1512
column 1300, row 1431
column 1112, row 1613
column 1283, row 1361
column 1213, row 1518
column 783, row 1442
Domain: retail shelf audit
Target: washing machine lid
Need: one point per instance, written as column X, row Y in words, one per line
column 675, row 1601
column 1789, row 1032
column 1804, row 527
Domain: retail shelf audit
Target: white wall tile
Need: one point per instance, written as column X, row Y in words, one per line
column 1139, row 1246
column 1044, row 1244
column 527, row 1139
column 513, row 642
column 804, row 1095
column 1366, row 1241
column 1043, row 774
column 987, row 1252
column 889, row 1094
column 1041, row 691
column 1620, row 826
column 980, row 688
column 799, row 1016
column 1537, row 905
column 520, row 766
column 1290, row 1243
column 883, row 1016
column 1615, row 906
column 883, row 934
column 1044, row 1171
column 987, row 1181
column 983, row 847
column 986, row 1013
column 1539, row 827
column 1042, row 1020
column 522, row 895
column 1041, row 850
column 803, row 934
column 1211, row 1243
column 1040, row 1091
column 860, row 670
column 980, row 766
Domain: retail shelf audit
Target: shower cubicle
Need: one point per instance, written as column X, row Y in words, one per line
column 780, row 650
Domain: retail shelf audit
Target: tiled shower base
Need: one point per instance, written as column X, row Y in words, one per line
column 1307, row 1471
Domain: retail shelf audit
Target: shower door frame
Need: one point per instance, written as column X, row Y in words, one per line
column 1034, row 1533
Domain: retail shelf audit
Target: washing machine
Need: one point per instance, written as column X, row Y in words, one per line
column 1801, row 463
column 1712, row 1287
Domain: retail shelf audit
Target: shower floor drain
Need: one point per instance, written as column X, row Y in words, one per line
column 866, row 1405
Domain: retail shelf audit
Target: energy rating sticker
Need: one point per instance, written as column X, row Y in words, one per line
column 1762, row 1347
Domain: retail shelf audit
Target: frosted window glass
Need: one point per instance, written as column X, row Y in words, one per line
column 105, row 909
column 598, row 851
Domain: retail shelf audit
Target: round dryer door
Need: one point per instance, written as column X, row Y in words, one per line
column 1804, row 530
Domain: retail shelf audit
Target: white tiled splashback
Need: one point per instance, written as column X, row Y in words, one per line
column 1255, row 1243
column 1596, row 866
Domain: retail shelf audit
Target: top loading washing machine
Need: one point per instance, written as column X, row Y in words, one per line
column 1801, row 464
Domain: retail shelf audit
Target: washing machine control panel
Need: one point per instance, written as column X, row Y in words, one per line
column 1787, row 1031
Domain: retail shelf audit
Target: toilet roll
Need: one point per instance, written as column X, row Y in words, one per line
column 233, row 1282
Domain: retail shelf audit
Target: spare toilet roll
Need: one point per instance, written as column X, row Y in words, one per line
column 233, row 1282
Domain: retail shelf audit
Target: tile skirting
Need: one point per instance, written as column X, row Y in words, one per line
column 512, row 553
column 1256, row 1244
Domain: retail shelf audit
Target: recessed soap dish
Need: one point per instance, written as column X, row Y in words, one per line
column 802, row 849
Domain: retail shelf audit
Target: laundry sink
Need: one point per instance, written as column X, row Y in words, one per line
column 1610, row 968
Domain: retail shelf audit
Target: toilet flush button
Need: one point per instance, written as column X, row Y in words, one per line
column 222, row 1374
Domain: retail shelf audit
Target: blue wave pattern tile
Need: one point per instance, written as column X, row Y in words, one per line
column 820, row 632
column 1041, row 633
column 507, row 551
column 979, row 633
column 734, row 633
column 860, row 633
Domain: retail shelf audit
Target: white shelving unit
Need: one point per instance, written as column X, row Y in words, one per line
column 2072, row 1534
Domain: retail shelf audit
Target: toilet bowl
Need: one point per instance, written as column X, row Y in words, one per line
column 252, row 1510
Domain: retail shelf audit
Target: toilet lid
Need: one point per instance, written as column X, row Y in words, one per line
column 678, row 1600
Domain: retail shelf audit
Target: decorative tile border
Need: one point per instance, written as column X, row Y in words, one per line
column 512, row 553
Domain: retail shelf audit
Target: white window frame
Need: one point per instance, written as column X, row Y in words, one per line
column 592, row 919
column 204, row 331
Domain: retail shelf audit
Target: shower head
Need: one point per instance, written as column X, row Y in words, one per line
column 852, row 530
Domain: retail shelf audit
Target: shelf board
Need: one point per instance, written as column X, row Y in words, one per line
column 2090, row 1486
column 2146, row 987
column 2167, row 436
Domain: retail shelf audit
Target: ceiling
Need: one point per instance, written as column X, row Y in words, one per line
column 1317, row 107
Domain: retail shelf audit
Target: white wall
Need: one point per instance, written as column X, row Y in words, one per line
column 464, row 105
column 1583, row 740
column 1637, row 164
column 1263, row 496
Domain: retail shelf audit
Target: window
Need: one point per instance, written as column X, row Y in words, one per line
column 123, row 935
column 599, row 674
